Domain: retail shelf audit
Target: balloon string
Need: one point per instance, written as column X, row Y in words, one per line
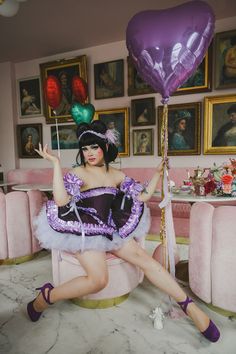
column 58, row 144
column 167, row 226
column 164, row 148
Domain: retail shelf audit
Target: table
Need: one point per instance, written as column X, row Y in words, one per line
column 33, row 186
column 181, row 268
column 6, row 184
column 46, row 188
column 190, row 198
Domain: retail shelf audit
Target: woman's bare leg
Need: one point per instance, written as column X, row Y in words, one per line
column 94, row 264
column 135, row 254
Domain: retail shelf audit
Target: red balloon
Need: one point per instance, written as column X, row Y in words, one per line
column 52, row 91
column 79, row 89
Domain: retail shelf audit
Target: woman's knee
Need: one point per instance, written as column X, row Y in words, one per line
column 98, row 281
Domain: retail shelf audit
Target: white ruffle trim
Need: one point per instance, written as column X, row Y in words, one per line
column 51, row 239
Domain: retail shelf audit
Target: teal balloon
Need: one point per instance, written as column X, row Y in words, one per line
column 82, row 113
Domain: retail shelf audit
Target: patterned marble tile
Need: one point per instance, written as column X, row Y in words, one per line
column 126, row 328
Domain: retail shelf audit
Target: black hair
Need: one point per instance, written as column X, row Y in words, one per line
column 231, row 109
column 110, row 151
column 178, row 120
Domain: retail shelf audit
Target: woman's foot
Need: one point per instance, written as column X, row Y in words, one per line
column 201, row 320
column 40, row 303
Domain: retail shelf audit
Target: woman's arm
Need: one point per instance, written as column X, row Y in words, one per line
column 61, row 197
column 151, row 187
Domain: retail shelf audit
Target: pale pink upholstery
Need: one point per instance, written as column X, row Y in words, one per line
column 16, row 231
column 123, row 276
column 31, row 175
column 212, row 260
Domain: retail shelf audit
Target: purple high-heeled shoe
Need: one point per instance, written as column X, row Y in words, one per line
column 32, row 313
column 211, row 333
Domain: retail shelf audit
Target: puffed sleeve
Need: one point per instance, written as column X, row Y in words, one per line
column 73, row 185
column 127, row 210
column 131, row 188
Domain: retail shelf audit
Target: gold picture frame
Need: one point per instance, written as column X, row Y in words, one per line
column 182, row 140
column 28, row 138
column 64, row 70
column 143, row 111
column 136, row 85
column 201, row 79
column 29, row 97
column 219, row 118
column 117, row 119
column 109, row 79
column 143, row 142
column 224, row 54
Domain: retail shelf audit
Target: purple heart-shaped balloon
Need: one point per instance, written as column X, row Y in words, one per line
column 167, row 46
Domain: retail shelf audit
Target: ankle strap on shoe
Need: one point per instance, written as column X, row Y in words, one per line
column 184, row 304
column 43, row 289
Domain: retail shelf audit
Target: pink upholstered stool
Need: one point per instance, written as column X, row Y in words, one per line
column 17, row 211
column 123, row 278
column 212, row 260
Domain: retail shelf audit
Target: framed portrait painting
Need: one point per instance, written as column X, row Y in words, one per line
column 143, row 111
column 118, row 121
column 225, row 59
column 109, row 79
column 28, row 138
column 143, row 142
column 64, row 70
column 136, row 85
column 201, row 79
column 29, row 97
column 183, row 129
column 67, row 137
column 220, row 125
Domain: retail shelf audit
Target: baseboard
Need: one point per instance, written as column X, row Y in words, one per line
column 180, row 240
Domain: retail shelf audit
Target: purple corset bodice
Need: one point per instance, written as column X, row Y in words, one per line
column 97, row 211
column 93, row 206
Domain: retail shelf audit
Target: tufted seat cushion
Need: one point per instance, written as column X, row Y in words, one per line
column 17, row 210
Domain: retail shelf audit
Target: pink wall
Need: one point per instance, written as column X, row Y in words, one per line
column 112, row 51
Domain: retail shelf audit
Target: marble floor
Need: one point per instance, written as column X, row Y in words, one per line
column 126, row 328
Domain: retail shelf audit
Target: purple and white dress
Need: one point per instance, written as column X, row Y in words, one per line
column 100, row 218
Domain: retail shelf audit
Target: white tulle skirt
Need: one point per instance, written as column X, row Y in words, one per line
column 51, row 239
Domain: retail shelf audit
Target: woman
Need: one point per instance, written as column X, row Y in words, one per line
column 144, row 144
column 178, row 138
column 97, row 208
column 28, row 105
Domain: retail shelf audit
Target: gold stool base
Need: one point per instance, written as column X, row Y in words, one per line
column 17, row 260
column 23, row 259
column 100, row 304
column 221, row 311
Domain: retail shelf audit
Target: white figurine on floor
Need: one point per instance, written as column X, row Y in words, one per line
column 157, row 316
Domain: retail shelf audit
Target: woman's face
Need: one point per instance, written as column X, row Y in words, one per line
column 232, row 117
column 25, row 92
column 182, row 124
column 93, row 154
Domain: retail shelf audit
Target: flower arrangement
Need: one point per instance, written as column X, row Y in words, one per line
column 222, row 180
column 219, row 180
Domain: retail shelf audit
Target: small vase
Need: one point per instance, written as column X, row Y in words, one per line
column 227, row 188
column 199, row 190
